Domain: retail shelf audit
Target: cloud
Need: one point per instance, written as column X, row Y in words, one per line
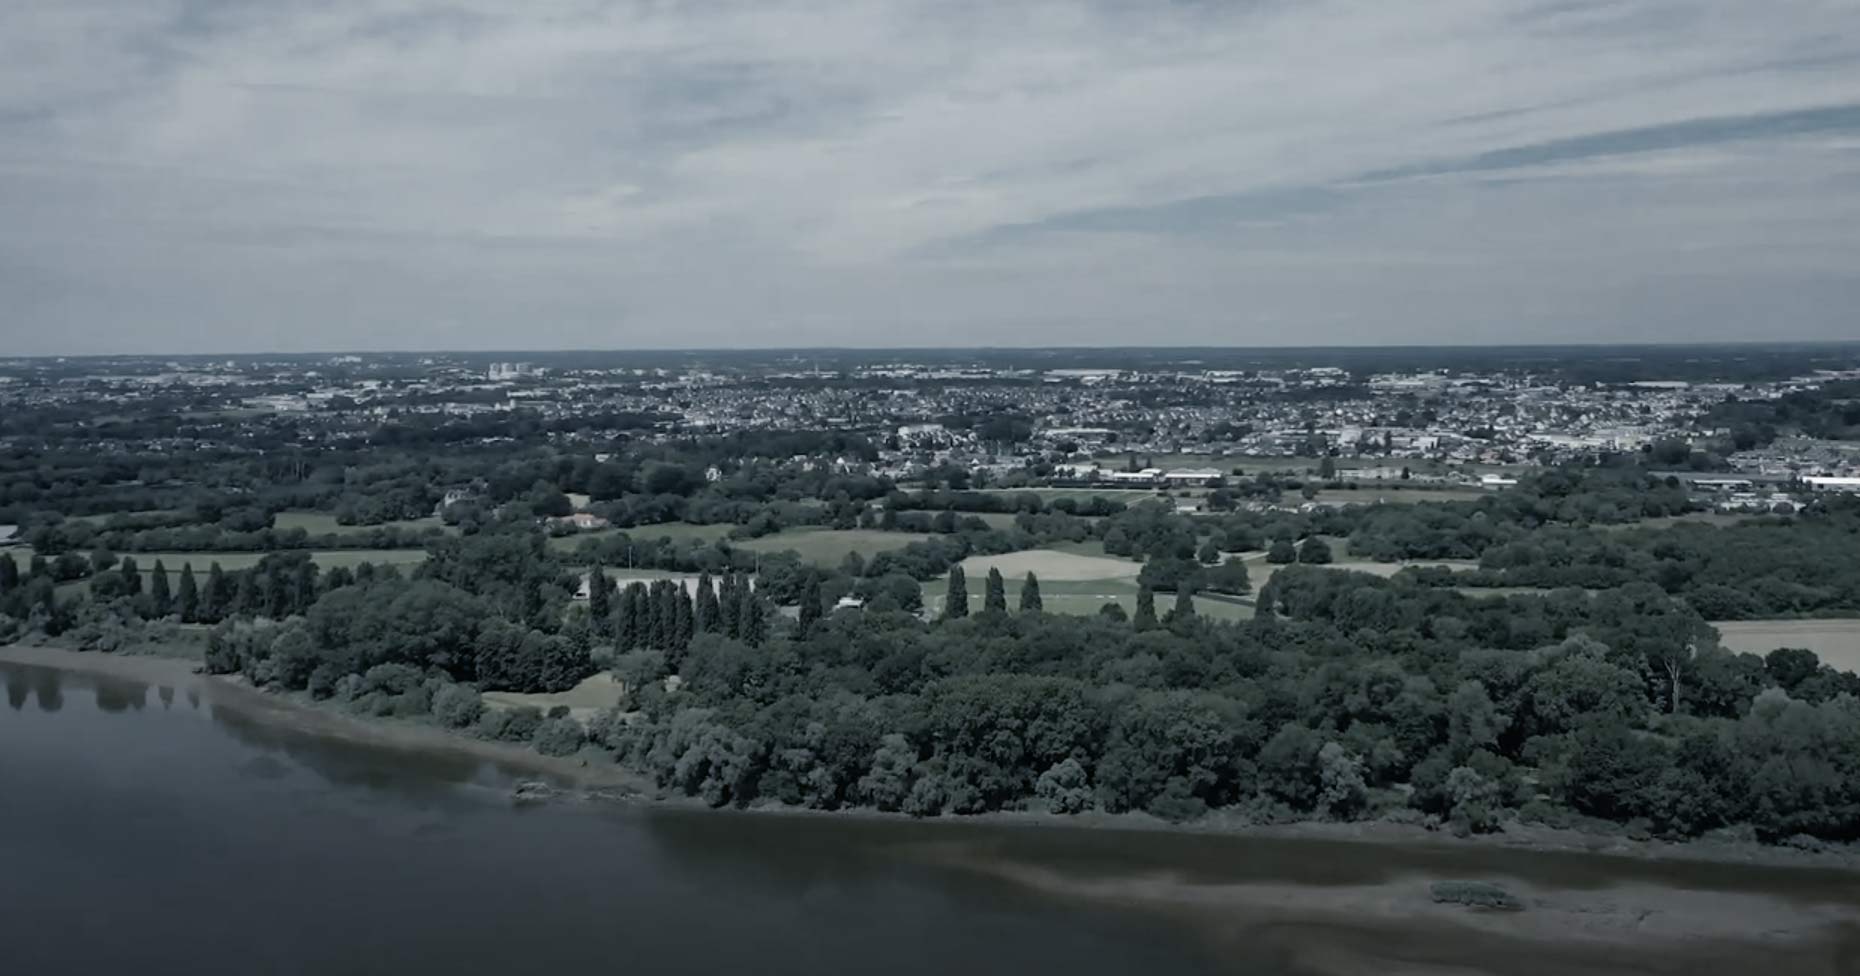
column 273, row 174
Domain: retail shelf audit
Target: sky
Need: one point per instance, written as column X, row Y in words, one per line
column 305, row 175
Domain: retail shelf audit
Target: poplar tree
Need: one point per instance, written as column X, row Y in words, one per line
column 730, row 605
column 704, row 612
column 1184, row 602
column 684, row 620
column 751, row 619
column 245, row 595
column 1030, row 595
column 956, row 598
column 1145, row 618
column 626, row 619
column 213, row 601
column 306, row 587
column 600, row 599
column 161, row 599
column 132, row 577
column 994, row 595
column 187, row 597
column 810, row 605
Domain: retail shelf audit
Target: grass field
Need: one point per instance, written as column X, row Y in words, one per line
column 1081, row 578
column 828, row 547
column 1076, row 579
column 995, row 520
column 1836, row 642
column 586, row 700
column 1053, row 565
column 1718, row 519
column 1084, row 597
column 324, row 523
column 1371, row 494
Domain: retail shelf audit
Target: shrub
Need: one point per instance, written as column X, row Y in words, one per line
column 457, row 706
column 559, row 736
column 1477, row 894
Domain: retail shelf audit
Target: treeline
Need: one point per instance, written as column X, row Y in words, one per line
column 1808, row 564
column 78, row 536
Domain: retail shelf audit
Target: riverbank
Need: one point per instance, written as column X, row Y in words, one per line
column 608, row 780
column 182, row 674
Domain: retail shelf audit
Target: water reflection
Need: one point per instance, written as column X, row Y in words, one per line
column 17, row 689
column 116, row 697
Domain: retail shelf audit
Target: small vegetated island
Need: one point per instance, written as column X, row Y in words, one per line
column 757, row 617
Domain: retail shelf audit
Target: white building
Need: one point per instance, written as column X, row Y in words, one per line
column 1832, row 484
column 1192, row 476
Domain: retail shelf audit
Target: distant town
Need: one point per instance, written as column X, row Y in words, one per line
column 999, row 420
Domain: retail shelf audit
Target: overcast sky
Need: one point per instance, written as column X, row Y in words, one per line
column 283, row 175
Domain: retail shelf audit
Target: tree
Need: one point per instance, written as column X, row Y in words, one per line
column 187, row 597
column 730, row 607
column 1030, row 595
column 9, row 573
column 810, row 605
column 684, row 618
column 1184, row 604
column 161, row 598
column 1145, row 618
column 101, row 559
column 753, row 621
column 1209, row 553
column 213, row 602
column 1314, row 551
column 704, row 613
column 1327, row 468
column 600, row 598
column 1282, row 552
column 1229, row 577
column 956, row 597
column 306, row 588
column 132, row 577
column 994, row 595
column 246, row 599
column 625, row 627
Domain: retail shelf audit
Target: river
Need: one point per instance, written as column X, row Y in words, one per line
column 157, row 829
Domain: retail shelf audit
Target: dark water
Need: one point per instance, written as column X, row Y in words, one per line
column 145, row 830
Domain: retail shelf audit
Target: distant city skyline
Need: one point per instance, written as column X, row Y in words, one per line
column 287, row 176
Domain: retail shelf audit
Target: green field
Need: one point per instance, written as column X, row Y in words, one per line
column 828, row 547
column 1373, row 492
column 1836, row 642
column 324, row 523
column 1084, row 597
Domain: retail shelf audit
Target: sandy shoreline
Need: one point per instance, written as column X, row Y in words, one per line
column 280, row 711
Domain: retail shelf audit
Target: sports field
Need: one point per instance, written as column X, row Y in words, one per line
column 828, row 547
column 1836, row 642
